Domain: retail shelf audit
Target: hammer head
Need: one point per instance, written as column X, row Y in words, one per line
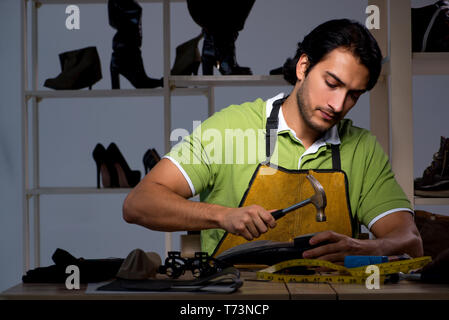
column 318, row 199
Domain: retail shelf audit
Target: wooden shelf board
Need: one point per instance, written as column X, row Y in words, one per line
column 83, row 190
column 430, row 63
column 228, row 81
column 76, row 190
column 158, row 92
column 421, row 201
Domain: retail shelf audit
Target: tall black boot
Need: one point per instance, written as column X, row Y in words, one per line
column 126, row 17
column 208, row 60
column 79, row 69
column 224, row 44
column 219, row 51
column 221, row 22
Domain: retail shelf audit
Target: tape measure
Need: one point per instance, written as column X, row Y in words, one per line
column 344, row 275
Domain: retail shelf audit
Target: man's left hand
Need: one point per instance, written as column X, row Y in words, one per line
column 338, row 247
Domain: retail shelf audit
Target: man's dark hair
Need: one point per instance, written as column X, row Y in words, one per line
column 333, row 34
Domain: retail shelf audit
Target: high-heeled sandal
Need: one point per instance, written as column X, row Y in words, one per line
column 127, row 178
column 150, row 159
column 188, row 58
column 105, row 168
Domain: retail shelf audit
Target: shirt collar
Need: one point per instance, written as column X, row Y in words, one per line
column 331, row 136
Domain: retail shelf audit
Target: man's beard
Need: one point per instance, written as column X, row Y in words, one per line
column 306, row 111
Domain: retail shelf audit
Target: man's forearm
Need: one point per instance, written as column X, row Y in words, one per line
column 158, row 208
column 399, row 243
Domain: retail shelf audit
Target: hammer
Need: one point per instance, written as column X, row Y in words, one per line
column 318, row 200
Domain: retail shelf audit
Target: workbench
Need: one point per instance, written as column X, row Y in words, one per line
column 251, row 290
column 254, row 300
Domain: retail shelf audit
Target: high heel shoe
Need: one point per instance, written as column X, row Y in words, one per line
column 79, row 69
column 188, row 58
column 127, row 178
column 219, row 51
column 105, row 168
column 150, row 159
column 126, row 17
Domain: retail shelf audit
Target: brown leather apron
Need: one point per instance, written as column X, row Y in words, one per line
column 274, row 187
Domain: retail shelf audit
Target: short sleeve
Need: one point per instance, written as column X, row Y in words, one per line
column 196, row 157
column 380, row 192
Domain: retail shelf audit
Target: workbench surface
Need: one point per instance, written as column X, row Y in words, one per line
column 251, row 290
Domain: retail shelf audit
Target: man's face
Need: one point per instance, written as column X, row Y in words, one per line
column 331, row 89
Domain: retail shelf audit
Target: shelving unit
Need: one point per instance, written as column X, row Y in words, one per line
column 392, row 117
column 32, row 97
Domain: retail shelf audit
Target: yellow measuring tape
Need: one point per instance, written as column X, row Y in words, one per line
column 344, row 275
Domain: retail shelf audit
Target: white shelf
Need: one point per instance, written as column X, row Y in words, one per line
column 83, row 190
column 158, row 92
column 228, row 81
column 420, row 201
column 430, row 63
column 76, row 190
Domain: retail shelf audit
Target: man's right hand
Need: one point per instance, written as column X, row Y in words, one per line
column 249, row 222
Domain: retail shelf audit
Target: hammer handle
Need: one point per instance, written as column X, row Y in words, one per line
column 282, row 212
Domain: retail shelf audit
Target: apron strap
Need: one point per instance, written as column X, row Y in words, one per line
column 270, row 140
column 272, row 125
column 336, row 161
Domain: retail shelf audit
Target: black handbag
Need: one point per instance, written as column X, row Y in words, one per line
column 430, row 28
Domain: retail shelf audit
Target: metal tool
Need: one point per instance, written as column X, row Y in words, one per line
column 396, row 277
column 318, row 200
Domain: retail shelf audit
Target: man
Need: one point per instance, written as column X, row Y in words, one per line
column 336, row 63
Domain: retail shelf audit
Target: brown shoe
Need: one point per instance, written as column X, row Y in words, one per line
column 435, row 179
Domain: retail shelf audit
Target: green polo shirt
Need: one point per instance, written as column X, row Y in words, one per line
column 219, row 158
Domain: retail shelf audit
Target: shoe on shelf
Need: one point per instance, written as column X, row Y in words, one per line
column 105, row 168
column 188, row 58
column 127, row 178
column 435, row 179
column 79, row 69
column 126, row 17
column 219, row 51
column 150, row 159
column 276, row 71
column 281, row 71
column 430, row 27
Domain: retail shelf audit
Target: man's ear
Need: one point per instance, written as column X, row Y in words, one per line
column 301, row 66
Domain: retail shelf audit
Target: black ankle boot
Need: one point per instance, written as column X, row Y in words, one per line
column 219, row 51
column 188, row 58
column 435, row 179
column 126, row 17
column 79, row 69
